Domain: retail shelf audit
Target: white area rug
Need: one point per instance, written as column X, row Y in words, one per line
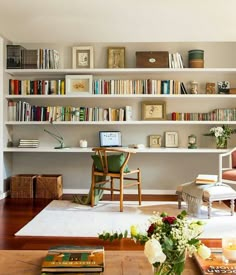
column 66, row 219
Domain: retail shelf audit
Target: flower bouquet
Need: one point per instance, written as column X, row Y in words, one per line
column 167, row 240
column 222, row 134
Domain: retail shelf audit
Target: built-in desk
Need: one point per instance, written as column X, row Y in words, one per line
column 28, row 262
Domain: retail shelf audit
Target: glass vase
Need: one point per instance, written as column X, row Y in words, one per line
column 169, row 268
column 221, row 143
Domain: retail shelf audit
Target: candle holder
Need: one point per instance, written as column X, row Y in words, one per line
column 229, row 249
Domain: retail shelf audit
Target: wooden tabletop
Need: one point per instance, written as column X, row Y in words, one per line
column 28, row 262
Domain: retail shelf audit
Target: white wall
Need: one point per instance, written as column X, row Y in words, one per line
column 82, row 21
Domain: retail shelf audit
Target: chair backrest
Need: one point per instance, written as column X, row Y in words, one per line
column 111, row 160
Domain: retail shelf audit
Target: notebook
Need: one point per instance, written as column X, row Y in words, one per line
column 110, row 139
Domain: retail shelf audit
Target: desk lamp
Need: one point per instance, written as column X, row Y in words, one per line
column 58, row 135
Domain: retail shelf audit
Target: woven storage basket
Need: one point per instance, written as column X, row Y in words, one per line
column 49, row 186
column 22, row 186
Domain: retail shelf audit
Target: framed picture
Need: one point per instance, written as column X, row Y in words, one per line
column 82, row 57
column 153, row 110
column 155, row 141
column 116, row 57
column 171, row 139
column 79, row 84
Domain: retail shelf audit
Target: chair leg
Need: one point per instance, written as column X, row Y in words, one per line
column 179, row 200
column 112, row 187
column 232, row 207
column 92, row 190
column 121, row 192
column 139, row 188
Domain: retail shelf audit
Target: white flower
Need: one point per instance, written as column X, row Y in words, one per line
column 218, row 131
column 153, row 251
column 204, row 251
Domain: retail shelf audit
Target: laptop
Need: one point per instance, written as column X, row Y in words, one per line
column 110, row 139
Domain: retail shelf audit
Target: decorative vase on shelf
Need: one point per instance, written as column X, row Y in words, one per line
column 221, row 143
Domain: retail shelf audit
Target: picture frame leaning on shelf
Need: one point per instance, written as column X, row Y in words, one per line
column 116, row 57
column 153, row 110
column 79, row 84
column 82, row 57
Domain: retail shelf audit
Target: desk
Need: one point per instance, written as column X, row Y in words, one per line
column 28, row 262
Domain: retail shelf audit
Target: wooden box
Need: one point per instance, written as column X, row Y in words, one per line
column 22, row 186
column 152, row 59
column 49, row 186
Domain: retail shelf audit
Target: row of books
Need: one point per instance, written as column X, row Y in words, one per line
column 100, row 86
column 23, row 111
column 28, row 143
column 144, row 86
column 74, row 260
column 36, row 87
column 215, row 115
column 19, row 57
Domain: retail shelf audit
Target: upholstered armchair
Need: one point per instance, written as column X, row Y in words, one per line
column 227, row 168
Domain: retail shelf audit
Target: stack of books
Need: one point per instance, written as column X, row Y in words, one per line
column 28, row 143
column 215, row 264
column 206, row 179
column 74, row 260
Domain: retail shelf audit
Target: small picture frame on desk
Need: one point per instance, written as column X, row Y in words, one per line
column 82, row 57
column 171, row 139
column 155, row 141
column 153, row 110
column 116, row 57
column 79, row 84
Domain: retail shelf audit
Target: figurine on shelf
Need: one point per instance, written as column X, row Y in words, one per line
column 194, row 87
column 192, row 142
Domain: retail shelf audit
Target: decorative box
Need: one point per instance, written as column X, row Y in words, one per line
column 152, row 59
column 22, row 186
column 49, row 186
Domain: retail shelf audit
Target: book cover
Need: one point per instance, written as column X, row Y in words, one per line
column 74, row 259
column 206, row 179
column 215, row 263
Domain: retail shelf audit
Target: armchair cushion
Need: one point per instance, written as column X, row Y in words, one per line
column 229, row 175
column 233, row 159
column 114, row 163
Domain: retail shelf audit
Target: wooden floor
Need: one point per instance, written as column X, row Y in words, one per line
column 15, row 213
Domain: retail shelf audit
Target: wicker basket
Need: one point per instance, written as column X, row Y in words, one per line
column 22, row 186
column 49, row 186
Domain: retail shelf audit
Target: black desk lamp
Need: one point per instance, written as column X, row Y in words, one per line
column 58, row 135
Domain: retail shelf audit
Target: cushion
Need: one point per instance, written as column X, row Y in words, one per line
column 114, row 163
column 233, row 159
column 229, row 175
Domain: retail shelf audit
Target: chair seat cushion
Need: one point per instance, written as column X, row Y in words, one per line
column 216, row 192
column 114, row 163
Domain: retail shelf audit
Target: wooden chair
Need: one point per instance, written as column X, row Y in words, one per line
column 110, row 166
column 227, row 167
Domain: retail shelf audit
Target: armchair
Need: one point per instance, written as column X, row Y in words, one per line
column 227, row 168
column 110, row 172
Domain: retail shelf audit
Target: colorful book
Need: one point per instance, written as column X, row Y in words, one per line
column 215, row 264
column 74, row 259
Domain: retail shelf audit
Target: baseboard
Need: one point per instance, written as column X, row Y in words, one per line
column 126, row 191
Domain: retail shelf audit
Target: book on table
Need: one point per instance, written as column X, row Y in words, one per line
column 74, row 259
column 206, row 179
column 215, row 264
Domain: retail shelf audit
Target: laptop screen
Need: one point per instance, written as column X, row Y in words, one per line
column 110, row 138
